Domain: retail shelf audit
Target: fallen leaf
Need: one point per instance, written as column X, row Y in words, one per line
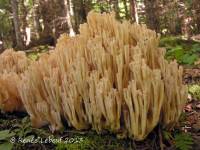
column 189, row 97
column 198, row 106
column 188, row 107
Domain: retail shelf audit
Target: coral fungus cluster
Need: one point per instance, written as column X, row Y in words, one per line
column 12, row 65
column 112, row 76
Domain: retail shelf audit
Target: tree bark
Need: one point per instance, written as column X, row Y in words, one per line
column 19, row 41
column 60, row 22
column 196, row 7
column 68, row 18
column 133, row 11
column 25, row 26
column 47, row 15
column 71, row 10
column 152, row 14
column 36, row 19
column 81, row 8
column 173, row 17
column 1, row 44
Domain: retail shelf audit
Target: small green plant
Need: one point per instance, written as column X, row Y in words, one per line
column 189, row 58
column 33, row 56
column 184, row 51
column 167, row 135
column 5, row 136
column 182, row 56
column 194, row 90
column 196, row 47
column 183, row 141
column 22, row 130
column 9, row 138
column 75, row 144
column 35, row 52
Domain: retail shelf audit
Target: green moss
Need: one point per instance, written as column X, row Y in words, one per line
column 33, row 56
column 34, row 53
column 92, row 141
column 77, row 143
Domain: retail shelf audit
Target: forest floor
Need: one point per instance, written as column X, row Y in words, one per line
column 16, row 132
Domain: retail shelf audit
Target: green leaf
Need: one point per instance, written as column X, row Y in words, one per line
column 6, row 146
column 5, row 134
column 178, row 53
column 167, row 135
column 183, row 141
column 196, row 48
column 189, row 59
column 25, row 120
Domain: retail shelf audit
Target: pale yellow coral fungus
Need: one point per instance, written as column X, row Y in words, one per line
column 112, row 76
column 12, row 65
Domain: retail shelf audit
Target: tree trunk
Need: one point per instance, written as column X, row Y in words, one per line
column 1, row 44
column 19, row 41
column 47, row 15
column 68, row 18
column 133, row 11
column 25, row 26
column 185, row 20
column 152, row 14
column 36, row 18
column 70, row 7
column 80, row 12
column 60, row 21
column 196, row 6
column 172, row 16
column 71, row 10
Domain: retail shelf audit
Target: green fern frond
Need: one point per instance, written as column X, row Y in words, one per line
column 183, row 141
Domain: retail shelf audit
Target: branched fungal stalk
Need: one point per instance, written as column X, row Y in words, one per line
column 112, row 76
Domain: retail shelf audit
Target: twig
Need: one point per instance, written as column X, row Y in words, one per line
column 160, row 137
column 133, row 145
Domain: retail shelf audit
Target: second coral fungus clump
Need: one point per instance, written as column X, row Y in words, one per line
column 112, row 76
column 12, row 65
